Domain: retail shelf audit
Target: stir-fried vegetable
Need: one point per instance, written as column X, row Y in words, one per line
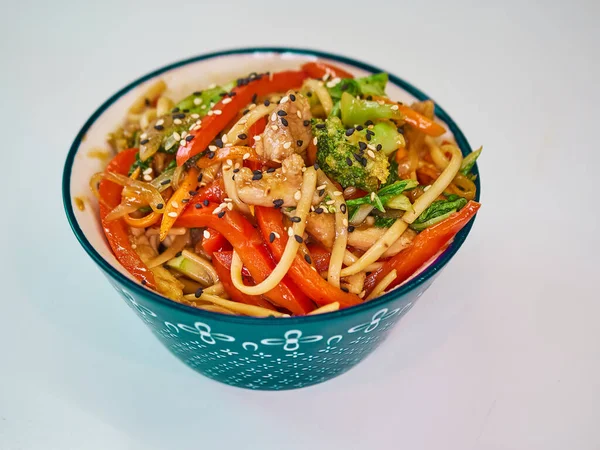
column 438, row 211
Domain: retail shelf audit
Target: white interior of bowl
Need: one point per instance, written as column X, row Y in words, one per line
column 180, row 81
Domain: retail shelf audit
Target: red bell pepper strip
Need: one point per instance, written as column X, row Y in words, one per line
column 214, row 192
column 424, row 247
column 222, row 263
column 319, row 69
column 320, row 257
column 116, row 230
column 215, row 242
column 248, row 244
column 214, row 123
column 271, row 220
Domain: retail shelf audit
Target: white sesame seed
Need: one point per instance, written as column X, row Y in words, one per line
column 299, row 114
column 337, row 193
column 147, row 178
column 177, row 121
column 227, row 199
column 371, row 154
column 213, row 148
column 217, row 210
column 226, row 100
column 198, row 101
column 203, row 107
column 303, row 169
column 243, row 121
column 148, row 171
column 172, row 214
column 229, row 162
column 195, row 116
column 229, row 144
column 362, row 294
column 274, row 127
column 371, row 147
column 273, row 117
column 210, row 113
column 323, row 186
column 133, row 246
column 290, row 231
column 182, row 142
column 224, row 138
column 143, row 136
column 176, row 136
column 287, row 145
column 257, row 137
column 206, row 234
column 284, row 99
column 330, row 202
column 218, row 112
column 394, row 108
column 381, row 102
column 174, row 204
column 184, row 134
column 237, row 165
column 246, row 155
column 297, row 195
column 315, row 140
column 159, row 122
column 230, row 206
column 276, row 234
column 252, row 106
column 212, row 86
column 333, row 82
column 426, row 188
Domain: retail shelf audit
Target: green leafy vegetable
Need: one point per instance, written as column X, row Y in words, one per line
column 171, row 165
column 344, row 161
column 143, row 165
column 371, row 85
column 387, row 197
column 469, row 161
column 201, row 102
column 384, row 222
column 438, row 211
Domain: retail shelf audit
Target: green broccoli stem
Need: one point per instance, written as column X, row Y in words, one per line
column 355, row 111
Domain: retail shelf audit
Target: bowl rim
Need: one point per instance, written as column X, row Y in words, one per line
column 155, row 297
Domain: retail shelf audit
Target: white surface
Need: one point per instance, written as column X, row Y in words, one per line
column 501, row 353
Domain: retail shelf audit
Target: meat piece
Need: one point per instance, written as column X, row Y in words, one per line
column 322, row 228
column 286, row 133
column 281, row 184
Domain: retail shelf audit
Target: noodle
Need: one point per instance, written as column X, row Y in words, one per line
column 178, row 244
column 203, row 263
column 330, row 307
column 241, row 308
column 382, row 286
column 400, row 226
column 322, row 94
column 341, row 230
column 242, row 125
column 309, row 183
column 150, row 96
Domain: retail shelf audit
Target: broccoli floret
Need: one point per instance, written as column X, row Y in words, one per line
column 366, row 86
column 347, row 163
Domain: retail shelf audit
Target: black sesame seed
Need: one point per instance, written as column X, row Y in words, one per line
column 309, row 94
column 144, row 142
column 292, row 97
column 368, row 123
column 360, row 128
column 242, row 136
column 160, row 206
column 362, row 146
column 344, row 288
column 316, row 166
column 232, row 94
column 178, row 254
column 306, row 123
column 200, row 177
column 278, row 203
column 299, row 239
column 350, row 228
column 266, row 103
column 244, row 112
column 254, row 97
column 343, row 208
column 370, row 132
column 369, row 136
column 198, row 93
column 379, row 147
column 185, row 200
column 281, row 113
column 299, row 142
column 363, row 162
column 189, row 137
column 271, row 170
column 205, row 202
column 221, row 214
column 165, row 182
column 307, row 259
column 318, row 210
column 210, row 154
column 257, row 176
column 284, row 122
column 295, row 219
column 147, row 102
column 192, row 193
column 198, row 206
column 179, row 116
column 175, row 110
column 320, row 126
column 369, row 97
column 349, row 131
column 159, row 127
column 223, row 94
column 233, row 177
column 400, row 129
column 144, row 282
column 348, row 161
column 198, row 292
column 186, row 110
column 219, row 142
column 271, row 237
column 236, row 170
column 321, row 192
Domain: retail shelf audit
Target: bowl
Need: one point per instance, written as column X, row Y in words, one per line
column 247, row 352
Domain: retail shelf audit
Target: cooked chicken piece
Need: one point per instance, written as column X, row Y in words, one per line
column 322, row 228
column 264, row 188
column 286, row 132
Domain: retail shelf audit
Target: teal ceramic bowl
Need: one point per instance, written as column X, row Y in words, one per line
column 247, row 352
